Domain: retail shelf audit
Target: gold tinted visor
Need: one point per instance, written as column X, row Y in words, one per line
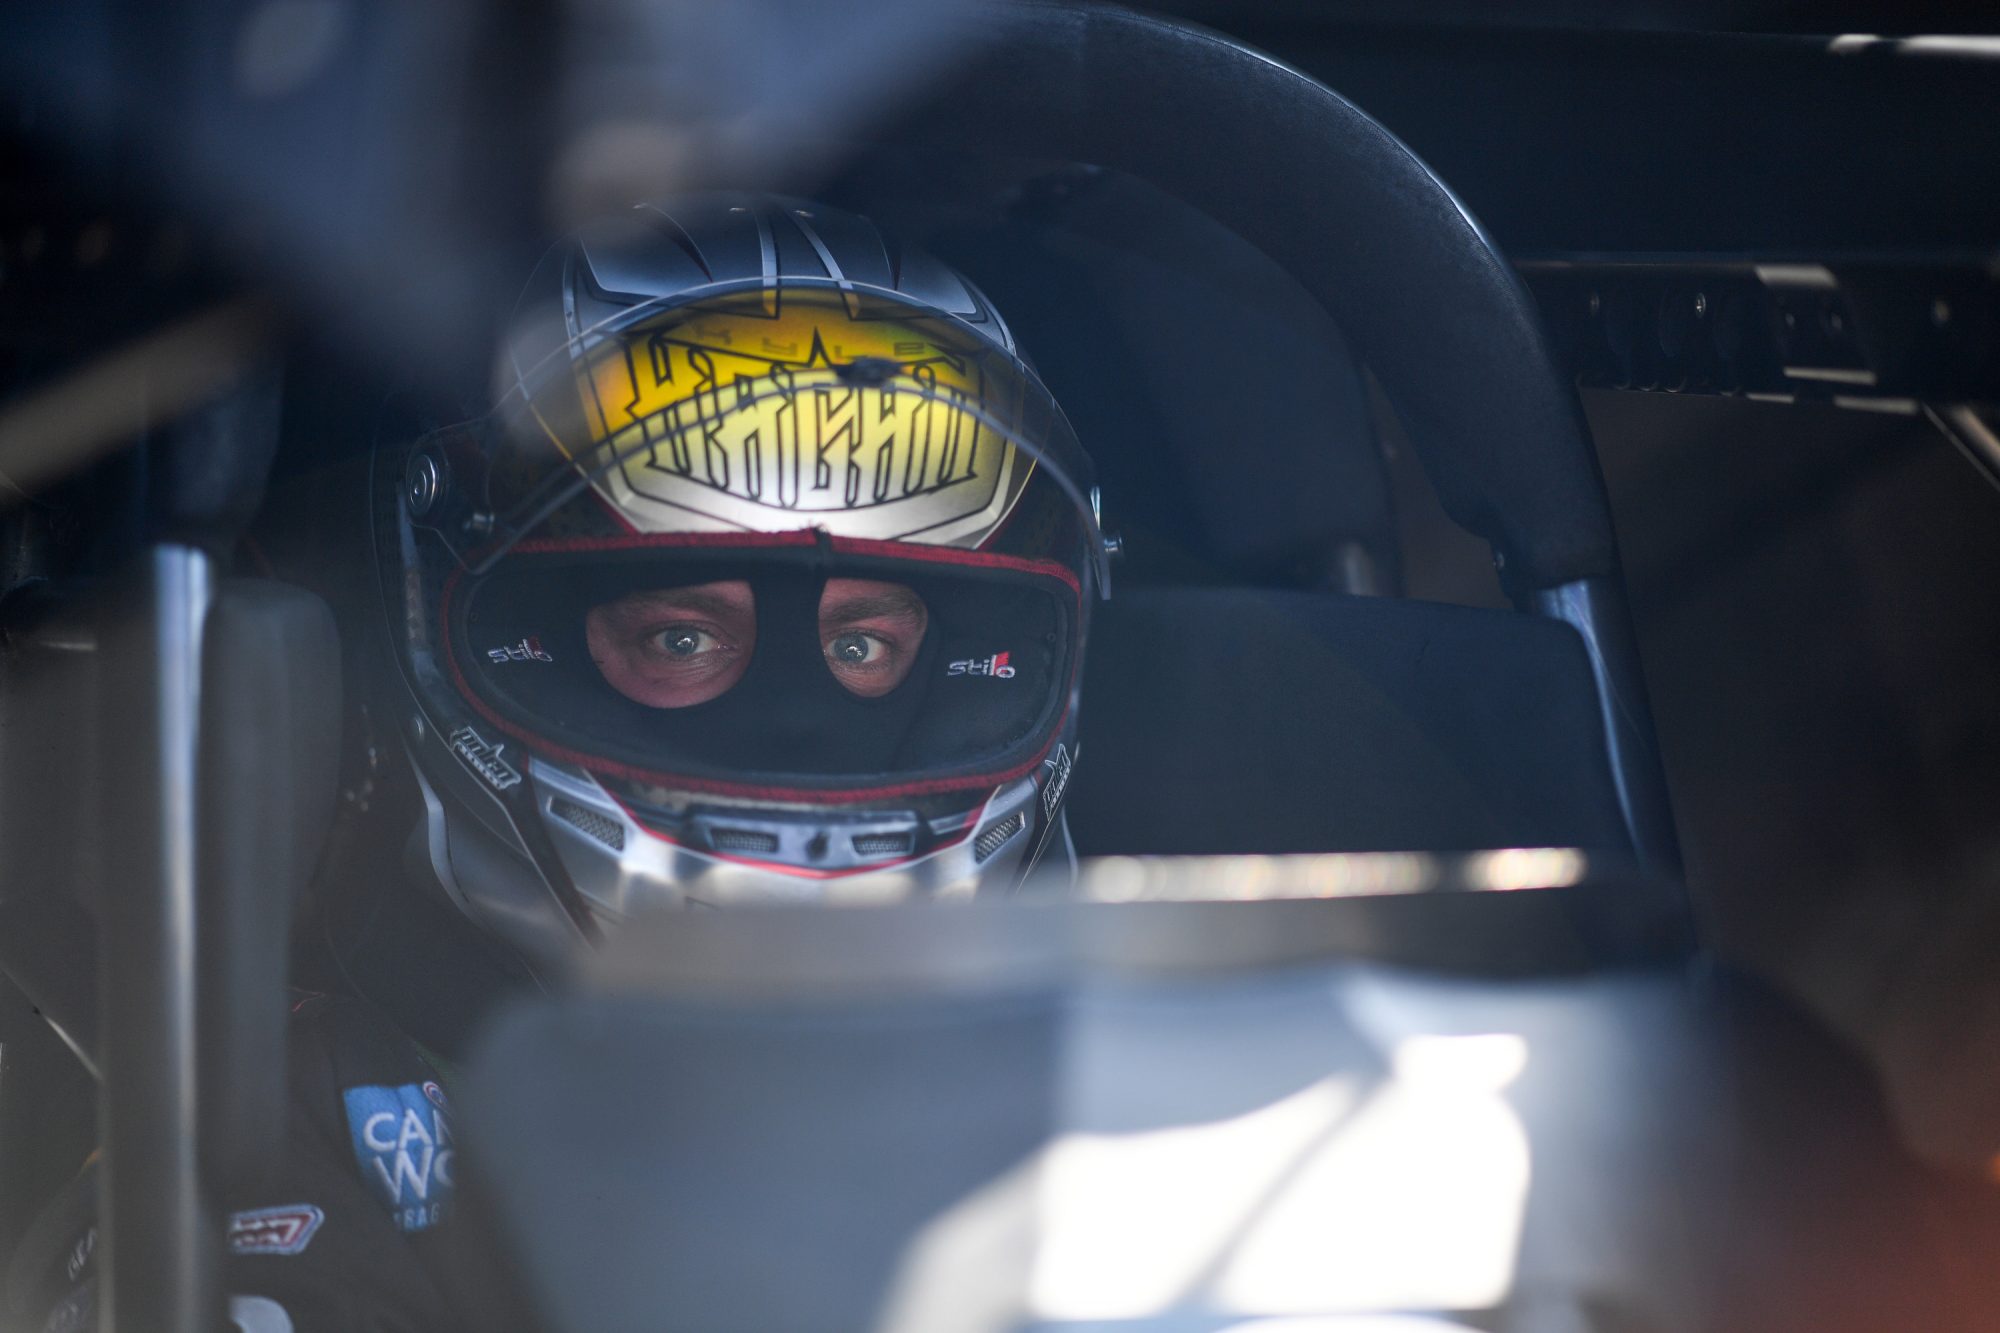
column 758, row 410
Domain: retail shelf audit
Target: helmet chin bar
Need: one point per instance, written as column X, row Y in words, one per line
column 621, row 866
column 491, row 882
column 731, row 854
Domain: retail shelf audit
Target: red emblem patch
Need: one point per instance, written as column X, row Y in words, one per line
column 286, row 1229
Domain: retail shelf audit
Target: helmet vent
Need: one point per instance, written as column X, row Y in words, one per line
column 993, row 839
column 884, row 844
column 743, row 840
column 591, row 823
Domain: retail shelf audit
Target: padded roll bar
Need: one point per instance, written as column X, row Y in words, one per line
column 1414, row 281
column 1291, row 166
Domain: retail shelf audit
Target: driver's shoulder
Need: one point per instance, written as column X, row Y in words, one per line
column 366, row 1167
column 338, row 1042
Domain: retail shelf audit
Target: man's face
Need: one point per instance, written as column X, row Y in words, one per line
column 676, row 647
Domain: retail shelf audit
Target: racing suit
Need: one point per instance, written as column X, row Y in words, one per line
column 349, row 1232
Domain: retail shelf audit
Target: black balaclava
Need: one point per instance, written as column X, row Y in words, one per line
column 788, row 714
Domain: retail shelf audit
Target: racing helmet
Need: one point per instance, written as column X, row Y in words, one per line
column 766, row 578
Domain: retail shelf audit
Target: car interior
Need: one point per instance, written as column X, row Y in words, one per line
column 1537, row 758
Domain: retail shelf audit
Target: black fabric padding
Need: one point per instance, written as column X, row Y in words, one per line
column 1223, row 721
column 787, row 719
column 270, row 763
column 1223, row 410
column 1429, row 302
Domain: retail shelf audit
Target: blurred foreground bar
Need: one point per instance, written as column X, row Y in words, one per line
column 1496, row 913
column 1340, row 1089
column 1125, row 879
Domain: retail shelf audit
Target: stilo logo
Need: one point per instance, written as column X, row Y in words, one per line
column 995, row 665
column 527, row 650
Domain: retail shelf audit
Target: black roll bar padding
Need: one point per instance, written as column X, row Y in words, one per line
column 270, row 741
column 1407, row 272
column 1410, row 276
column 195, row 893
column 220, row 739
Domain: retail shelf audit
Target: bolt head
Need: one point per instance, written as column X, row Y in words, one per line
column 422, row 484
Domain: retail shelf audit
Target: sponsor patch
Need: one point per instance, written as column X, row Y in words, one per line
column 403, row 1145
column 286, row 1229
column 996, row 665
column 1057, row 780
column 485, row 759
column 527, row 650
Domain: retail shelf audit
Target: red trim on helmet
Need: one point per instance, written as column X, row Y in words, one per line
column 785, row 868
column 753, row 791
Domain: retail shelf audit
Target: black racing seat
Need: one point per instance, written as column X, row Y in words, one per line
column 1226, row 415
column 1247, row 720
column 269, row 763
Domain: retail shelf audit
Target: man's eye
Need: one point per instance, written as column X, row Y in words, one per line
column 856, row 650
column 685, row 641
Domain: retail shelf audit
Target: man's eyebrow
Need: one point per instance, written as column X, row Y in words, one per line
column 867, row 606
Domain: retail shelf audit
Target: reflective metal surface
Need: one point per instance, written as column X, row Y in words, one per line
column 157, row 1225
column 622, row 866
column 1596, row 608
